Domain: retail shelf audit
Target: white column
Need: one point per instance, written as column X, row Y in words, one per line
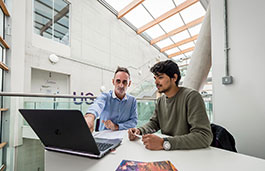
column 200, row 63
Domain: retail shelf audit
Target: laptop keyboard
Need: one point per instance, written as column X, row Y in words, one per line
column 103, row 146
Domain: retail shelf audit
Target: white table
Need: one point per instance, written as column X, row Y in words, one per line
column 208, row 159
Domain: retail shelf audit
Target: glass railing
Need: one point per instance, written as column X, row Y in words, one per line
column 24, row 150
column 145, row 109
column 24, row 147
column 208, row 105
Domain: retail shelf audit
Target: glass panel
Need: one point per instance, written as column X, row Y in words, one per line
column 207, row 97
column 43, row 13
column 179, row 57
column 193, row 12
column 181, row 36
column 188, row 54
column 172, row 23
column 1, row 81
column 1, row 23
column 1, row 54
column 61, row 21
column 139, row 16
column 158, row 8
column 30, row 155
column 178, row 2
column 145, row 111
column 164, row 43
column 186, row 46
column 195, row 30
column 154, row 32
column 174, row 50
column 51, row 19
column 4, row 55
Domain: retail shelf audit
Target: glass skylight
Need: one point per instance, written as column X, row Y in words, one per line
column 158, row 7
column 163, row 43
column 150, row 10
column 138, row 16
column 172, row 23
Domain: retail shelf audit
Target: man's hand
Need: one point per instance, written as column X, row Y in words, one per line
column 90, row 118
column 153, row 142
column 110, row 125
column 132, row 132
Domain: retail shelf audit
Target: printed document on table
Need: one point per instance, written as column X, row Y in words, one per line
column 108, row 134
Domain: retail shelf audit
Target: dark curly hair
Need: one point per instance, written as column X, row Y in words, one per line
column 167, row 67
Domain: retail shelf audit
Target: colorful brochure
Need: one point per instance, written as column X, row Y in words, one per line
column 129, row 165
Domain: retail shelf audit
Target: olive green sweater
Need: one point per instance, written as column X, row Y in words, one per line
column 184, row 118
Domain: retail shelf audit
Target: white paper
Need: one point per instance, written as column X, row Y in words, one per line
column 108, row 134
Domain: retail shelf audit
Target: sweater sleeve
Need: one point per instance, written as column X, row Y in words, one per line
column 200, row 135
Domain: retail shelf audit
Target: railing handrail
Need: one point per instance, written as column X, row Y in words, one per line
column 20, row 94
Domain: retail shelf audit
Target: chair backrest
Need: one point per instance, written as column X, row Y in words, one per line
column 222, row 138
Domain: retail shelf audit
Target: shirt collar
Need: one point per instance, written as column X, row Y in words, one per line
column 114, row 96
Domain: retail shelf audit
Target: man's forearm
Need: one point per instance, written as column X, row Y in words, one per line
column 89, row 118
column 149, row 127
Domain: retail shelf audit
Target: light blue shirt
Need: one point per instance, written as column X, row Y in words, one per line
column 121, row 112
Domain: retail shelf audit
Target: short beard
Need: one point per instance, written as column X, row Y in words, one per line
column 163, row 91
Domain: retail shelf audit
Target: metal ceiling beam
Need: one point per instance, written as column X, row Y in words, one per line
column 57, row 17
column 181, row 52
column 129, row 7
column 182, row 42
column 168, row 14
column 178, row 30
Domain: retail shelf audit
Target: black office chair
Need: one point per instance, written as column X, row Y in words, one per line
column 222, row 138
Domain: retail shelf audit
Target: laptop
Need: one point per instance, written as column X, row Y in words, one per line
column 67, row 131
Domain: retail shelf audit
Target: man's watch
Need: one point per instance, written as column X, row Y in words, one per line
column 166, row 144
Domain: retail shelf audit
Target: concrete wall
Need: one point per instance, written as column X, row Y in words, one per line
column 99, row 42
column 240, row 107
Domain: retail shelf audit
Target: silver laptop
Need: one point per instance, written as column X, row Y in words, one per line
column 67, row 131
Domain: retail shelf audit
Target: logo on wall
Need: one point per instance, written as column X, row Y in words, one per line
column 86, row 99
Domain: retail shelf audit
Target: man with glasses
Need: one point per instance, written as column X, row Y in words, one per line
column 116, row 109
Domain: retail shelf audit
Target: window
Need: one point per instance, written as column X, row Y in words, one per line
column 2, row 18
column 51, row 19
column 1, row 53
column 1, row 22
